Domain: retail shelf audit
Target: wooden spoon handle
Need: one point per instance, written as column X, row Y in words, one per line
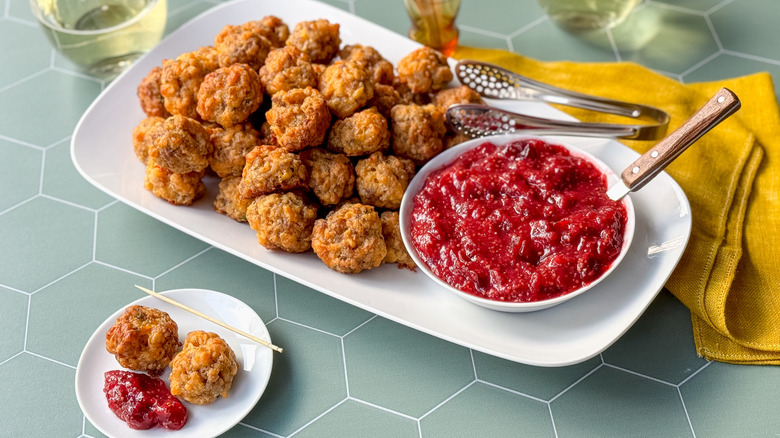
column 721, row 106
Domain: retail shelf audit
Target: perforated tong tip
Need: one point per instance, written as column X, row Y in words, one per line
column 494, row 82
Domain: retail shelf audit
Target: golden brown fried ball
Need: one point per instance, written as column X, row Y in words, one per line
column 331, row 176
column 379, row 68
column 143, row 339
column 181, row 79
column 229, row 201
column 417, row 131
column 299, row 118
column 319, row 39
column 282, row 221
column 424, row 70
column 385, row 98
column 287, row 68
column 360, row 134
column 271, row 27
column 183, row 146
column 319, row 69
column 240, row 44
column 267, row 135
column 346, row 87
column 176, row 188
column 349, row 240
column 396, row 250
column 204, row 369
column 452, row 96
column 144, row 135
column 230, row 94
column 152, row 102
column 382, row 179
column 230, row 147
column 409, row 97
column 271, row 169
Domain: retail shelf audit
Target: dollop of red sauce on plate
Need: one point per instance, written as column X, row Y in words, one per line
column 522, row 222
column 143, row 402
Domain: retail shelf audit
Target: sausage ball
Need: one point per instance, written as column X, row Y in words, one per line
column 299, row 118
column 183, row 146
column 319, row 69
column 385, row 98
column 380, row 70
column 176, row 188
column 349, row 240
column 409, row 97
column 331, row 176
column 240, row 44
column 451, row 96
column 230, row 147
column 204, row 369
column 270, row 169
column 282, row 221
column 144, row 135
column 143, row 339
column 424, row 70
column 396, row 251
column 267, row 135
column 230, row 94
column 346, row 87
column 181, row 78
column 417, row 131
column 382, row 179
column 229, row 200
column 287, row 68
column 271, row 27
column 152, row 101
column 318, row 39
column 360, row 134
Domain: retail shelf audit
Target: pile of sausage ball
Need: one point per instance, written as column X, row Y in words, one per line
column 146, row 339
column 314, row 143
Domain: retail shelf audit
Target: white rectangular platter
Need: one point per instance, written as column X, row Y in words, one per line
column 101, row 149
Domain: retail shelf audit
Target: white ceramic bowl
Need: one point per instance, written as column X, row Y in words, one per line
column 447, row 157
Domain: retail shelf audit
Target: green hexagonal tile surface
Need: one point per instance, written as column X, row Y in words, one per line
column 51, row 240
column 423, row 370
column 307, row 379
column 13, row 323
column 48, row 408
column 731, row 400
column 610, row 402
column 132, row 240
column 23, row 180
column 484, row 410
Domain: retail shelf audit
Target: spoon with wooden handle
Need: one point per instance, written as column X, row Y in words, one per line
column 652, row 162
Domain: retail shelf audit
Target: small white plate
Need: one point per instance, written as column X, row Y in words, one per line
column 254, row 361
column 102, row 151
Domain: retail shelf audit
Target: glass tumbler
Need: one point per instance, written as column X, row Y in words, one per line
column 102, row 36
column 587, row 15
column 433, row 23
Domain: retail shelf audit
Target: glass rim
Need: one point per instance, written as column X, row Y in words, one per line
column 56, row 27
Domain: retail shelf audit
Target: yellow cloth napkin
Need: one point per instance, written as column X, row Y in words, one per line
column 728, row 276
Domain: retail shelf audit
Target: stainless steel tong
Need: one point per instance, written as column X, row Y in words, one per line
column 494, row 82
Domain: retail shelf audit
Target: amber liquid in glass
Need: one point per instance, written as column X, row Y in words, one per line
column 433, row 23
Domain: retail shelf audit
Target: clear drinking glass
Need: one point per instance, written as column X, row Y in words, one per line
column 102, row 36
column 587, row 15
column 433, row 23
